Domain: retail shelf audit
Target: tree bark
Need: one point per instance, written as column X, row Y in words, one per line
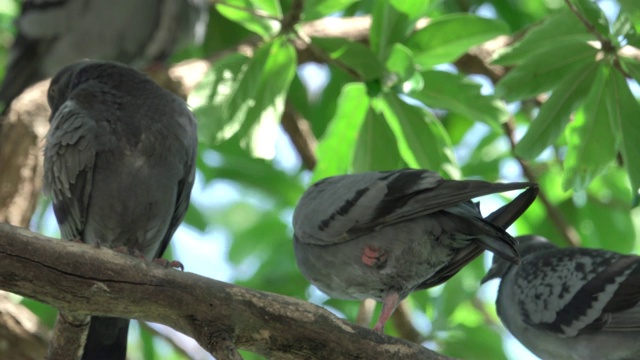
column 83, row 279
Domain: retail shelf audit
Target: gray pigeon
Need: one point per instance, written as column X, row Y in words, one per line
column 119, row 164
column 55, row 33
column 572, row 303
column 382, row 235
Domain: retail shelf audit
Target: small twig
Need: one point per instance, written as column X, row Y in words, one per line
column 292, row 18
column 69, row 336
column 365, row 312
column 487, row 318
column 568, row 232
column 590, row 27
column 301, row 135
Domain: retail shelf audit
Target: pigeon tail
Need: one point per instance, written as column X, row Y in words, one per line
column 107, row 339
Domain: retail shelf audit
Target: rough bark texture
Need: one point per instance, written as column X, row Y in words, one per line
column 21, row 140
column 84, row 280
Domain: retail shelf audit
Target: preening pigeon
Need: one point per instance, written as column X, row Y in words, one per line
column 571, row 303
column 55, row 33
column 119, row 163
column 382, row 235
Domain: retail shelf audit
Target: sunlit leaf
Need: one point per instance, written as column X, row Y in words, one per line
column 392, row 22
column 444, row 90
column 623, row 110
column 559, row 28
column 422, row 140
column 554, row 113
column 375, row 148
column 337, row 146
column 447, row 37
column 259, row 16
column 594, row 15
column 213, row 92
column 400, row 62
column 315, row 9
column 355, row 56
column 544, row 70
column 590, row 137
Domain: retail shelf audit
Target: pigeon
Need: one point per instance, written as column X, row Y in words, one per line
column 383, row 235
column 119, row 163
column 570, row 303
column 55, row 33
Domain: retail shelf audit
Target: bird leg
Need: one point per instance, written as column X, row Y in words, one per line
column 389, row 305
column 160, row 261
column 169, row 264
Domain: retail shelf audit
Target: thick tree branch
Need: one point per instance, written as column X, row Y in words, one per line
column 221, row 317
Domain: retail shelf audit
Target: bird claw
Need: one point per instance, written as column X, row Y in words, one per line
column 129, row 251
column 169, row 264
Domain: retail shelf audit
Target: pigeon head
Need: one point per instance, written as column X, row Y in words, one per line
column 60, row 87
column 109, row 81
column 525, row 245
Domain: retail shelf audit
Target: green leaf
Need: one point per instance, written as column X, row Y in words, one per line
column 594, row 15
column 374, row 149
column 271, row 93
column 316, row 9
column 258, row 174
column 422, row 140
column 392, row 22
column 212, row 93
column 624, row 27
column 479, row 342
column 554, row 113
column 543, row 70
column 259, row 16
column 447, row 37
column 336, row 147
column 400, row 63
column 255, row 96
column 623, row 111
column 559, row 28
column 486, row 157
column 357, row 57
column 590, row 139
column 632, row 66
column 444, row 90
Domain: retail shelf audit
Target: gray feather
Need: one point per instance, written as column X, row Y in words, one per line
column 571, row 303
column 119, row 163
column 53, row 34
column 381, row 234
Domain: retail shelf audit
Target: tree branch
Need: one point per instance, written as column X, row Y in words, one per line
column 221, row 317
column 23, row 336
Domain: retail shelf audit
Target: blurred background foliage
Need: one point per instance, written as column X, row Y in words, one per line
column 553, row 102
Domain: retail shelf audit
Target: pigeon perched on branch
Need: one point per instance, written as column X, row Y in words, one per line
column 382, row 235
column 571, row 303
column 55, row 33
column 120, row 164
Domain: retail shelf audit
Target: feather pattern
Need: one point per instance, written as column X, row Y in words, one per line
column 382, row 235
column 120, row 166
column 567, row 303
